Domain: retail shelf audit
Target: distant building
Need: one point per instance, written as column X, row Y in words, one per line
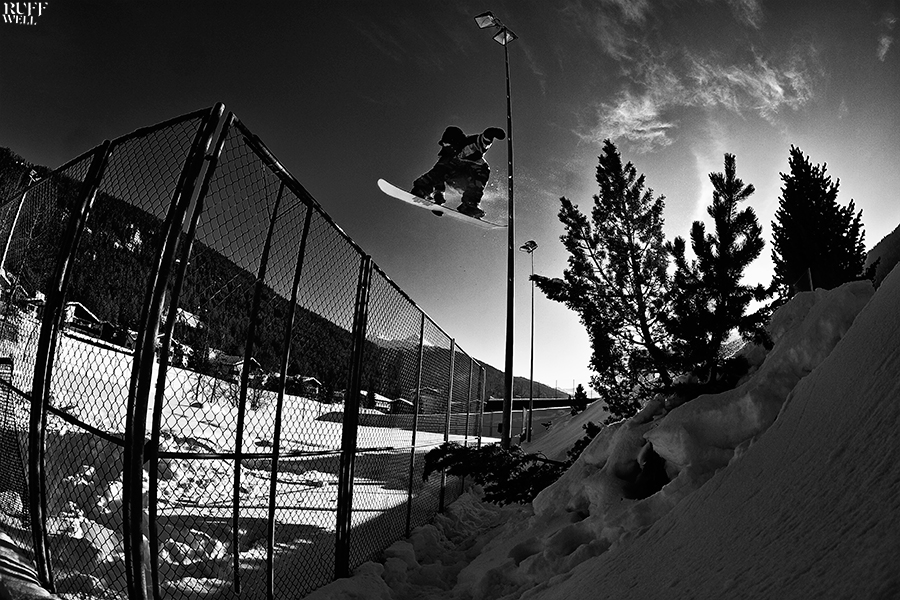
column 78, row 317
column 301, row 385
column 33, row 307
column 401, row 406
column 431, row 400
column 188, row 319
column 230, row 367
column 382, row 403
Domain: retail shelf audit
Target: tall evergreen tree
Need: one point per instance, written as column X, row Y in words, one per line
column 816, row 242
column 708, row 298
column 615, row 281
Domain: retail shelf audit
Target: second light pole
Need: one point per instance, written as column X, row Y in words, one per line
column 530, row 246
column 503, row 37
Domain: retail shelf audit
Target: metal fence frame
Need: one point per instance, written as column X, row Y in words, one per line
column 203, row 176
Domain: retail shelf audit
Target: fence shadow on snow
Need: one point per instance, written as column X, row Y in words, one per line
column 191, row 353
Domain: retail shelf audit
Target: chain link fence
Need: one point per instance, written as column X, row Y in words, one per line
column 207, row 388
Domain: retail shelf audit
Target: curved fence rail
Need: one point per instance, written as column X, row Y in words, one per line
column 206, row 386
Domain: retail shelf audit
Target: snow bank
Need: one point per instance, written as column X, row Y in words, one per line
column 886, row 253
column 564, row 431
column 708, row 499
column 808, row 511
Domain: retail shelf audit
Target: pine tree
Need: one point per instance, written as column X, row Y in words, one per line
column 816, row 242
column 579, row 400
column 708, row 298
column 615, row 281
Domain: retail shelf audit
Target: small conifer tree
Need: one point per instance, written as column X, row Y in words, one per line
column 708, row 298
column 579, row 400
column 816, row 243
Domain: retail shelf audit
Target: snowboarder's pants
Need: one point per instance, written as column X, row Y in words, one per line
column 469, row 177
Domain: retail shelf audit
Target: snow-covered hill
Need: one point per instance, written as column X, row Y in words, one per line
column 786, row 487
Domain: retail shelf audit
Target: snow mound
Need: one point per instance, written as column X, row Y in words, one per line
column 565, row 431
column 886, row 253
column 786, row 487
column 808, row 511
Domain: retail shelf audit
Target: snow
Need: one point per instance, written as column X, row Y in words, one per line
column 559, row 438
column 787, row 486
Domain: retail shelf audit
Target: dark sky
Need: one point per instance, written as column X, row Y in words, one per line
column 346, row 92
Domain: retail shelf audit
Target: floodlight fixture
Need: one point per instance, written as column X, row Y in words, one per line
column 486, row 19
column 504, row 36
column 529, row 246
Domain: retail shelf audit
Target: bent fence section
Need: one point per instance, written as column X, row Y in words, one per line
column 206, row 386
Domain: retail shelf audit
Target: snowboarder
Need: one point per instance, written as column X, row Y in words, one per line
column 460, row 157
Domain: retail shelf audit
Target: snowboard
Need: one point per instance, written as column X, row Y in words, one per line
column 395, row 192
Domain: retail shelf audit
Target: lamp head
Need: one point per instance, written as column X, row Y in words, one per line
column 529, row 246
column 486, row 20
column 504, row 36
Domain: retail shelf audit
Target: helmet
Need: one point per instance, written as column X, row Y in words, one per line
column 453, row 136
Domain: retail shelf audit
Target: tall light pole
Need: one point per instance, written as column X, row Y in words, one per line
column 530, row 246
column 503, row 37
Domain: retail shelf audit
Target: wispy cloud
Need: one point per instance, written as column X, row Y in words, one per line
column 884, row 44
column 764, row 86
column 637, row 119
column 885, row 39
column 382, row 41
column 534, row 64
column 843, row 109
column 633, row 10
column 749, row 12
column 662, row 77
column 607, row 22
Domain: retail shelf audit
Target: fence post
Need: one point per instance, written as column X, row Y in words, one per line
column 469, row 399
column 43, row 365
column 351, row 422
column 144, row 356
column 447, row 421
column 244, row 384
column 165, row 344
column 276, row 443
column 482, row 385
column 415, row 425
column 462, row 480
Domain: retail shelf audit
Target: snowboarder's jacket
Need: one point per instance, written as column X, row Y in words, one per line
column 455, row 144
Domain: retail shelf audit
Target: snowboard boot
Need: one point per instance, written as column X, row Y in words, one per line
column 438, row 198
column 420, row 191
column 470, row 210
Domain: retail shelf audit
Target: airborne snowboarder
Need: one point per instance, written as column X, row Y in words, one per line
column 460, row 161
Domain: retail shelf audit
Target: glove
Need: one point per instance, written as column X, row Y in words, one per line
column 494, row 133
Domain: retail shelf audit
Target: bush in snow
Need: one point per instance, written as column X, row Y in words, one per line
column 507, row 476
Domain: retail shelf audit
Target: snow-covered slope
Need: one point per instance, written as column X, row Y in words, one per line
column 809, row 511
column 713, row 499
column 886, row 253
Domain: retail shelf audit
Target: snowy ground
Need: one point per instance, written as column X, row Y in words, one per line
column 195, row 496
column 786, row 487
